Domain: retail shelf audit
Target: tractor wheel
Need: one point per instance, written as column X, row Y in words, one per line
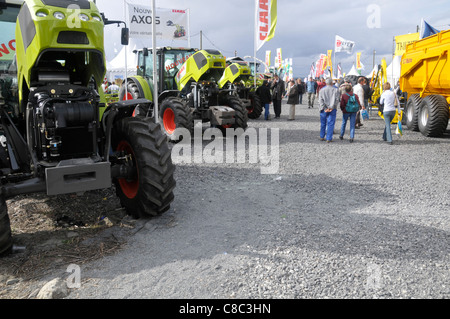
column 433, row 116
column 412, row 112
column 133, row 92
column 257, row 107
column 241, row 115
column 150, row 192
column 175, row 113
column 5, row 229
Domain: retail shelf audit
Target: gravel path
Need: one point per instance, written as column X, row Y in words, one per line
column 339, row 220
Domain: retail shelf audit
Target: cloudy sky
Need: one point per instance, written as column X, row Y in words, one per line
column 305, row 28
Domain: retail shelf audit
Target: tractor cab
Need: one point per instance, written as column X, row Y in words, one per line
column 169, row 62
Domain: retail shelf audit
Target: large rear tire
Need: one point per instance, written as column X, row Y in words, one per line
column 5, row 229
column 150, row 192
column 412, row 112
column 174, row 114
column 433, row 116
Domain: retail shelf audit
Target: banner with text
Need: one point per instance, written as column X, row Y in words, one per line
column 401, row 41
column 170, row 23
column 342, row 45
column 7, row 41
column 266, row 15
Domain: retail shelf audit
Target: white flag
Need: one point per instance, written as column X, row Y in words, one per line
column 342, row 45
column 266, row 21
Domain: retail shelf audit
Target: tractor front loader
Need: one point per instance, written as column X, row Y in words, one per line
column 188, row 90
column 58, row 136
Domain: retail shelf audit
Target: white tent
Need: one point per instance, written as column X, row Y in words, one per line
column 116, row 67
column 393, row 70
column 353, row 71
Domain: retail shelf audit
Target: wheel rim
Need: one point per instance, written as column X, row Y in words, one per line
column 128, row 96
column 169, row 121
column 410, row 113
column 129, row 188
column 424, row 116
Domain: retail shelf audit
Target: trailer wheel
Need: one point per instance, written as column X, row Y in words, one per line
column 150, row 192
column 433, row 116
column 175, row 113
column 240, row 115
column 412, row 112
column 5, row 229
column 256, row 109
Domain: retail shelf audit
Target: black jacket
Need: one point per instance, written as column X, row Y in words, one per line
column 264, row 94
column 278, row 90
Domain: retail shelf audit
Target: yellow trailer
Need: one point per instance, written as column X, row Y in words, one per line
column 425, row 76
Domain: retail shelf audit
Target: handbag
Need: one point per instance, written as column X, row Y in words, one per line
column 365, row 115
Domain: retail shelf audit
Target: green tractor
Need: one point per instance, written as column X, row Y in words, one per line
column 188, row 90
column 57, row 135
column 239, row 80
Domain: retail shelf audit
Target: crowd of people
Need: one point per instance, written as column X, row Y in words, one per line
column 352, row 100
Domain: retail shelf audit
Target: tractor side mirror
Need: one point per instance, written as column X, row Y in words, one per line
column 145, row 52
column 125, row 39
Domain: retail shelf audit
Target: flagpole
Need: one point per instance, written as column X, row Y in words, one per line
column 155, row 74
column 255, row 42
column 189, row 27
column 126, row 58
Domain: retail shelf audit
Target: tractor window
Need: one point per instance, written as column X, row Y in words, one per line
column 173, row 60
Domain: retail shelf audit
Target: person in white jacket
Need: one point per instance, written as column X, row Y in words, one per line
column 359, row 90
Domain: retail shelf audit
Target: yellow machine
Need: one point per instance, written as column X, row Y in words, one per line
column 425, row 70
column 378, row 80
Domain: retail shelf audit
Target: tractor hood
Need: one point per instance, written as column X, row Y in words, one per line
column 204, row 65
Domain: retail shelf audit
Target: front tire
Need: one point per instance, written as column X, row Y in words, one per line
column 412, row 112
column 256, row 110
column 240, row 115
column 150, row 192
column 133, row 92
column 433, row 116
column 175, row 113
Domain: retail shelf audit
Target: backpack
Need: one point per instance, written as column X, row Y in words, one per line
column 352, row 105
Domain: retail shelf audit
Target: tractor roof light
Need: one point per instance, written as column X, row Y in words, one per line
column 59, row 15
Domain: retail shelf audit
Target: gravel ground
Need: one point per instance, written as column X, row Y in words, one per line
column 338, row 220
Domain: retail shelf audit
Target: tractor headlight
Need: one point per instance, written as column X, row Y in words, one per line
column 59, row 15
column 96, row 18
column 41, row 14
column 83, row 17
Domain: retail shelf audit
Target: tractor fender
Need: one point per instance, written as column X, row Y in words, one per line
column 144, row 86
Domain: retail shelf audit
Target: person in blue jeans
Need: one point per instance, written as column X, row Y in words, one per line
column 328, row 101
column 348, row 115
column 266, row 98
column 388, row 99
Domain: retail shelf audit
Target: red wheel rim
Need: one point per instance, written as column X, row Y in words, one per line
column 250, row 111
column 227, row 125
column 128, row 96
column 129, row 188
column 169, row 121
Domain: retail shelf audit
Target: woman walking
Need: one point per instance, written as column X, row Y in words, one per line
column 350, row 105
column 388, row 99
column 292, row 99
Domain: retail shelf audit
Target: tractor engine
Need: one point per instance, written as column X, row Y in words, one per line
column 62, row 126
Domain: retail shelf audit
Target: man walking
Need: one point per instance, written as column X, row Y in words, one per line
column 278, row 92
column 311, row 87
column 328, row 102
